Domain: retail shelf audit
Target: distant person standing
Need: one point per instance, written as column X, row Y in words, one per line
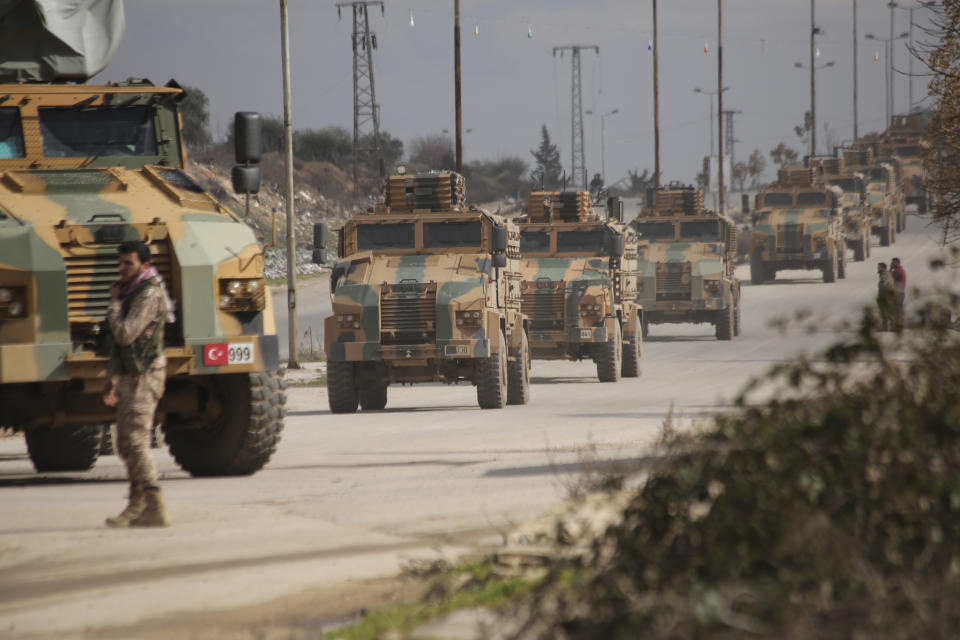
column 139, row 308
column 900, row 282
column 886, row 296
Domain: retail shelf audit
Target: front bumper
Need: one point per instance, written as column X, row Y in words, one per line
column 454, row 349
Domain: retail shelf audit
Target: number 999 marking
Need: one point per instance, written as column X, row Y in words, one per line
column 240, row 353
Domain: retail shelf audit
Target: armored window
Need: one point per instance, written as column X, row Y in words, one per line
column 84, row 133
column 371, row 237
column 655, row 230
column 807, row 199
column 594, row 242
column 777, row 199
column 11, row 134
column 909, row 150
column 535, row 242
column 450, row 235
column 703, row 231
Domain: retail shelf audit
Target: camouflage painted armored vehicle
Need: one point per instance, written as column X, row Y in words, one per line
column 884, row 198
column 686, row 261
column 82, row 169
column 832, row 172
column 797, row 224
column 579, row 284
column 905, row 140
column 426, row 289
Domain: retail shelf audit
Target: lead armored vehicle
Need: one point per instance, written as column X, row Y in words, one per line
column 579, row 284
column 798, row 224
column 426, row 289
column 686, row 261
column 83, row 168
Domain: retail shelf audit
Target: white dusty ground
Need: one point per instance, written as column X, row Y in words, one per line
column 349, row 499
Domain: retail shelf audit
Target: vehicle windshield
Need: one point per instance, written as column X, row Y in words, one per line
column 778, row 199
column 371, row 236
column 849, row 185
column 448, row 235
column 535, row 242
column 909, row 150
column 83, row 133
column 808, row 199
column 702, row 231
column 655, row 230
column 11, row 134
column 593, row 242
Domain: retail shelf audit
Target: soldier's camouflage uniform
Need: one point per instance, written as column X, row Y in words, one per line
column 138, row 393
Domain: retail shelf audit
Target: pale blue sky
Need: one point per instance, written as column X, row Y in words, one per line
column 512, row 83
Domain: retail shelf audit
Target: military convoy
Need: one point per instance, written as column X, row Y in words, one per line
column 82, row 169
column 686, row 262
column 798, row 224
column 425, row 289
column 831, row 171
column 579, row 283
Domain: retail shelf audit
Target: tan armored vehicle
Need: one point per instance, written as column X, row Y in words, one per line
column 883, row 196
column 905, row 140
column 832, row 172
column 579, row 286
column 798, row 224
column 84, row 168
column 426, row 289
column 686, row 261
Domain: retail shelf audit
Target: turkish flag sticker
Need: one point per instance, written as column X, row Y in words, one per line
column 216, row 354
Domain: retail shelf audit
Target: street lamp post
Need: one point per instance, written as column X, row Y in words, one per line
column 888, row 71
column 812, row 150
column 603, row 150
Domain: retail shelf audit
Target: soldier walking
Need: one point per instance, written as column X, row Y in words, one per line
column 886, row 296
column 139, row 307
column 900, row 284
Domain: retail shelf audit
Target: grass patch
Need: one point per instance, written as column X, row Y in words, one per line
column 301, row 277
column 466, row 586
column 316, row 382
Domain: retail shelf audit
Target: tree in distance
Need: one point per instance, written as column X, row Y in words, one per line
column 548, row 171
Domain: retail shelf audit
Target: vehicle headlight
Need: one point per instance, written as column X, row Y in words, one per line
column 348, row 320
column 469, row 318
column 13, row 302
column 713, row 287
column 242, row 294
column 590, row 310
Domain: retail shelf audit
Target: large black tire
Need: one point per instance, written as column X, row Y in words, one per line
column 646, row 327
column 372, row 398
column 758, row 274
column 518, row 376
column 842, row 265
column 886, row 236
column 242, row 439
column 64, row 448
column 830, row 268
column 736, row 319
column 860, row 250
column 342, row 387
column 491, row 373
column 630, row 368
column 609, row 357
column 725, row 323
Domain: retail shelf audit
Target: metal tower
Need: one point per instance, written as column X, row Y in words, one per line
column 728, row 132
column 366, row 111
column 578, row 165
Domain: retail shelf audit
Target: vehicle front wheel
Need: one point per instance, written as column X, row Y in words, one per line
column 725, row 323
column 518, row 376
column 373, row 398
column 64, row 448
column 342, row 387
column 609, row 357
column 491, row 373
column 632, row 353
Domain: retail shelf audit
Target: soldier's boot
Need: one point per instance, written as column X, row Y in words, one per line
column 136, row 503
column 155, row 511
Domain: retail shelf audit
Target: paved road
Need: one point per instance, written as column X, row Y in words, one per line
column 350, row 498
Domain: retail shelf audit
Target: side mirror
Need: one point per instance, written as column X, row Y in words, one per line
column 499, row 260
column 320, row 243
column 615, row 208
column 499, row 239
column 245, row 179
column 247, row 136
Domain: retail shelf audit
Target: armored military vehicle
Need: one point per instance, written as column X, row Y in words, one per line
column 797, row 224
column 832, row 172
column 905, row 140
column 883, row 196
column 686, row 260
column 426, row 289
column 82, row 169
column 579, row 284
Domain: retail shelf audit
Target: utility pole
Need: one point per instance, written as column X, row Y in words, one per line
column 578, row 164
column 293, row 355
column 720, row 96
column 656, row 99
column 456, row 81
column 729, row 113
column 910, row 69
column 892, row 110
column 813, row 84
column 366, row 112
column 855, row 129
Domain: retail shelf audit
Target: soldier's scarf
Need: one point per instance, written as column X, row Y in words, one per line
column 126, row 288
